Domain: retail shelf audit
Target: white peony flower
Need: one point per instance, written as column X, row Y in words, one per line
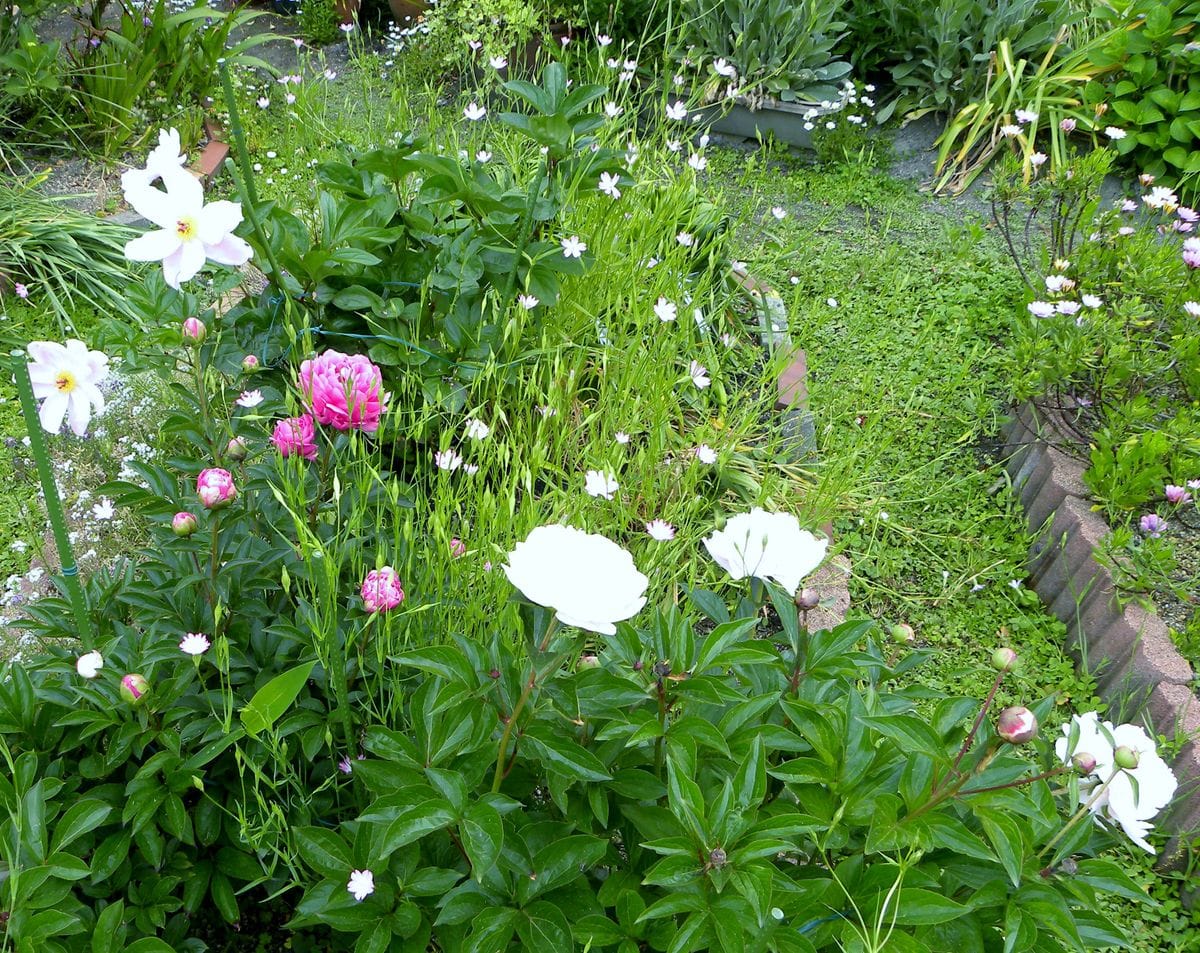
column 65, row 379
column 767, row 546
column 588, row 580
column 1134, row 796
column 189, row 232
column 89, row 665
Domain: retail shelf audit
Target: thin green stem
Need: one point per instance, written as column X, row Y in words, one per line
column 54, row 510
column 534, row 678
column 1083, row 809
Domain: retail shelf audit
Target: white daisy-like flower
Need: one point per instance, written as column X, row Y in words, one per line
column 250, row 398
column 621, row 437
column 608, row 184
column 699, row 375
column 706, row 454
column 474, row 112
column 612, row 110
column 573, row 248
column 665, row 310
column 104, row 510
column 677, row 110
column 1114, row 132
column 686, row 239
column 528, row 302
column 476, row 429
column 447, row 460
column 602, row 483
column 779, row 212
column 697, row 162
column 194, row 643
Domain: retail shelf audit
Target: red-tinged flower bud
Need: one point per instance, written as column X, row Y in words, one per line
column 250, row 364
column 1084, row 763
column 589, row 661
column 184, row 524
column 1016, row 725
column 134, row 688
column 194, row 331
column 236, row 449
column 717, row 857
column 1004, row 660
column 807, row 599
column 903, row 632
column 215, row 488
column 1126, row 757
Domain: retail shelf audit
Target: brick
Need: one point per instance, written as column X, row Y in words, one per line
column 1182, row 818
column 1059, row 478
column 792, row 388
column 1174, row 710
column 1153, row 659
column 1028, row 464
column 831, row 582
column 211, row 158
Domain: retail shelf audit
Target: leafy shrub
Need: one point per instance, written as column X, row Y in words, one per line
column 780, row 49
column 504, row 27
column 153, row 57
column 1155, row 93
column 1108, row 341
column 938, row 55
column 319, row 20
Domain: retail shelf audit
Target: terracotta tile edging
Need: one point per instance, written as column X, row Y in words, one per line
column 832, row 580
column 1129, row 649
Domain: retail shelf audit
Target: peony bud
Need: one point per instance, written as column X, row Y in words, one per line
column 236, row 449
column 1003, row 659
column 1126, row 757
column 381, row 590
column 194, row 331
column 807, row 599
column 249, row 364
column 184, row 524
column 1083, row 763
column 717, row 857
column 1016, row 725
column 588, row 661
column 903, row 632
column 134, row 688
column 215, row 488
column 457, row 547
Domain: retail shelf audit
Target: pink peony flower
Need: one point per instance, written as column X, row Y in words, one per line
column 381, row 590
column 134, row 688
column 295, row 435
column 344, row 391
column 457, row 547
column 194, row 331
column 215, row 488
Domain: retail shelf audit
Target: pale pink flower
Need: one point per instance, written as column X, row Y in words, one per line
column 381, row 590
column 20, row 290
column 660, row 530
column 1152, row 525
column 346, row 766
column 699, row 374
column 1067, row 125
column 1114, row 132
column 572, row 247
column 706, row 454
column 250, row 398
column 1176, row 494
column 215, row 488
column 457, row 548
column 1067, row 307
column 1040, row 309
column 343, row 391
column 296, row 435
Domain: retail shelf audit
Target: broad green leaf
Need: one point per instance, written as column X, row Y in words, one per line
column 564, row 756
column 274, row 698
column 108, row 936
column 415, row 822
column 482, row 833
column 77, row 820
column 1005, row 836
column 324, row 851
column 543, row 927
column 491, row 930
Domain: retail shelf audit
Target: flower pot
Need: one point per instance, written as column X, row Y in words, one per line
column 785, row 122
column 347, row 10
column 403, row 10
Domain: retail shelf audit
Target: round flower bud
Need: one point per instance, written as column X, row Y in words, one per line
column 184, row 524
column 1083, row 763
column 194, row 331
column 1016, row 725
column 215, row 488
column 1003, row 659
column 807, row 599
column 236, row 449
column 717, row 857
column 588, row 661
column 249, row 364
column 1126, row 757
column 134, row 688
column 903, row 632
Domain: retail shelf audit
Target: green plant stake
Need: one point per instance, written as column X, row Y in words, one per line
column 37, row 446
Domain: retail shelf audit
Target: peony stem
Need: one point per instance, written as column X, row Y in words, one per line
column 534, row 678
column 54, row 510
column 1083, row 809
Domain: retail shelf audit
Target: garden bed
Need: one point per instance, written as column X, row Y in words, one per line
column 1127, row 647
